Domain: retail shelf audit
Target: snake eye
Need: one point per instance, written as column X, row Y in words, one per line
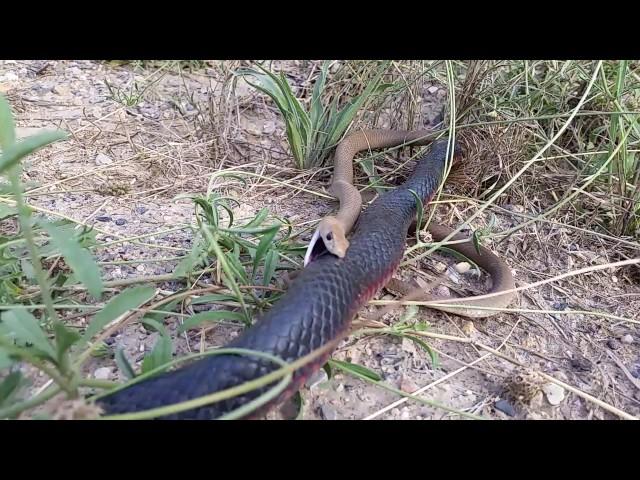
column 329, row 236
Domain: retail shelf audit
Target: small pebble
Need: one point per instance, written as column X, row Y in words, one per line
column 613, row 344
column 462, row 267
column 628, row 339
column 120, row 222
column 103, row 218
column 141, row 210
column 405, row 415
column 505, row 407
column 103, row 373
column 554, row 393
column 328, row 412
column 340, row 388
column 316, row 379
column 102, row 159
column 140, row 268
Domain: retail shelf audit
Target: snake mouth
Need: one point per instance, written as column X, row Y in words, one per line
column 316, row 249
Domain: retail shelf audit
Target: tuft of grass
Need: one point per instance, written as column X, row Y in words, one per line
column 312, row 132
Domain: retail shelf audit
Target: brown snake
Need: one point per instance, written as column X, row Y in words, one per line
column 333, row 230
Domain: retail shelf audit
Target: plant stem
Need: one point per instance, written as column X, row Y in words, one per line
column 24, row 215
column 20, row 407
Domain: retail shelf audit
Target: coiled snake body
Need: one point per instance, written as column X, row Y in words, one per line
column 317, row 308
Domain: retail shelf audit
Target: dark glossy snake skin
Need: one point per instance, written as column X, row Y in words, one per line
column 319, row 305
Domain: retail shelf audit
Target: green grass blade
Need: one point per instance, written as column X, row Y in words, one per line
column 161, row 354
column 271, row 262
column 65, row 338
column 16, row 151
column 359, row 369
column 26, row 329
column 79, row 259
column 199, row 318
column 118, row 305
column 123, row 364
column 265, row 243
column 7, row 125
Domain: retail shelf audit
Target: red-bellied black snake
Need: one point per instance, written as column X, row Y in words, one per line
column 316, row 310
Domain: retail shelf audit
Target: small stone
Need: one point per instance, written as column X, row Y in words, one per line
column 340, row 388
column 9, row 77
column 613, row 344
column 462, row 267
column 102, row 159
column 628, row 339
column 61, row 90
column 141, row 210
column 469, row 328
column 440, row 267
column 120, row 222
column 316, row 379
column 405, row 415
column 554, row 393
column 140, row 268
column 328, row 412
column 505, row 407
column 442, row 291
column 103, row 373
column 141, row 348
column 560, row 306
column 407, row 385
column 432, row 89
column 103, row 218
column 269, row 127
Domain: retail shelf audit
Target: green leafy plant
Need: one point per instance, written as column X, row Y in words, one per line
column 312, row 133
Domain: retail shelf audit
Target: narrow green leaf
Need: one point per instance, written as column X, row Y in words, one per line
column 79, row 259
column 123, row 364
column 27, row 269
column 432, row 354
column 118, row 305
column 258, row 219
column 7, row 125
column 5, row 360
column 327, row 368
column 16, row 151
column 9, row 386
column 159, row 316
column 26, row 329
column 271, row 262
column 199, row 318
column 154, row 326
column 193, row 258
column 233, row 262
column 161, row 354
column 353, row 367
column 65, row 338
column 213, row 298
column 265, row 243
column 419, row 214
column 7, row 211
column 298, row 401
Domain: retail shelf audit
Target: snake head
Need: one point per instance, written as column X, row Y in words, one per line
column 328, row 237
